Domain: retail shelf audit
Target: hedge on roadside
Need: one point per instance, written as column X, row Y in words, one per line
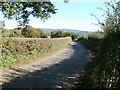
column 16, row 49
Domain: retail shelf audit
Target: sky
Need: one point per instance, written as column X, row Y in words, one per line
column 73, row 15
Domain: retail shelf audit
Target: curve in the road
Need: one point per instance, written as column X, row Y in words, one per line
column 55, row 71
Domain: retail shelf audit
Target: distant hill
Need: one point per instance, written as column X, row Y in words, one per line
column 70, row 30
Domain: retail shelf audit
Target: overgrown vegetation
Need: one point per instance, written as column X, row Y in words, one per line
column 103, row 70
column 17, row 50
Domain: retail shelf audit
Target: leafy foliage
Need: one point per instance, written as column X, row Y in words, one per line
column 21, row 11
column 112, row 21
column 30, row 32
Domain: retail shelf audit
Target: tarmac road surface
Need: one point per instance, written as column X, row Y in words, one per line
column 59, row 70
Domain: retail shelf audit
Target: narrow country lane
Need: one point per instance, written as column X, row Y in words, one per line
column 55, row 71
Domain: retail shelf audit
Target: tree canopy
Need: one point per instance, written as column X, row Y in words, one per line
column 21, row 11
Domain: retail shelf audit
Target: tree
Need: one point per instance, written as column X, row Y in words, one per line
column 21, row 11
column 112, row 17
column 30, row 32
column 112, row 22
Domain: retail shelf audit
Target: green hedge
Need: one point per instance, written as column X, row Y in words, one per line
column 15, row 50
column 59, row 33
column 103, row 71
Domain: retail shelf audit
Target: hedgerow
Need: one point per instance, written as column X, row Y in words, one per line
column 15, row 50
column 103, row 70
